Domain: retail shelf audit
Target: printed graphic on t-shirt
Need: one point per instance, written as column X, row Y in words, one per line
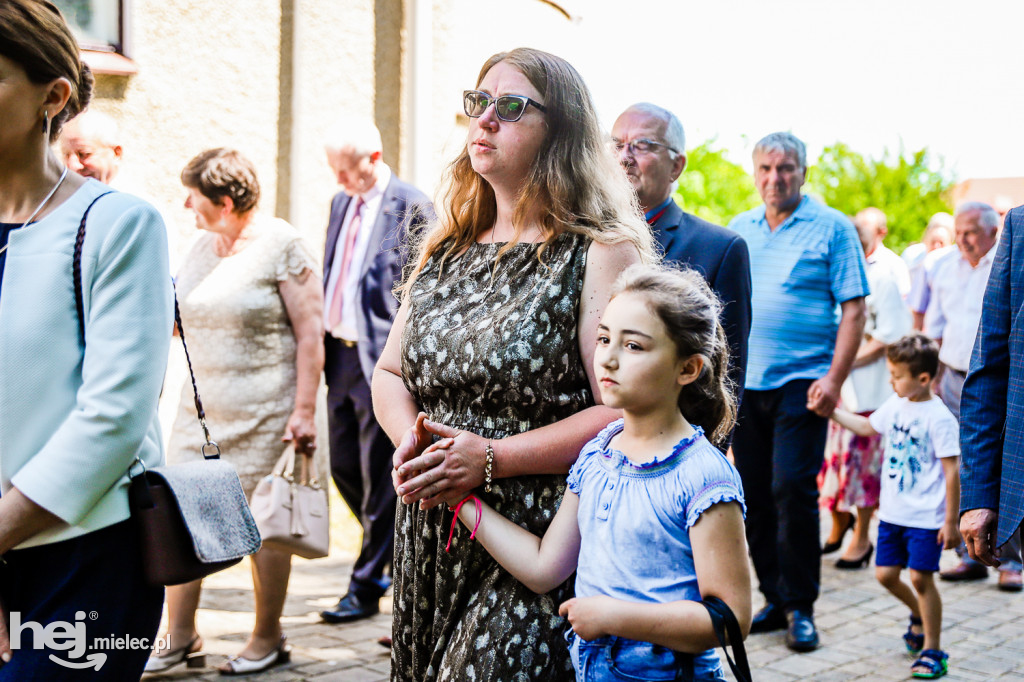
column 917, row 436
column 906, row 454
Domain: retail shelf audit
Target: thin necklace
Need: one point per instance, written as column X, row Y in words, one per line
column 42, row 203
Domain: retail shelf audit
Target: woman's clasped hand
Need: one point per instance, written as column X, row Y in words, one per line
column 430, row 472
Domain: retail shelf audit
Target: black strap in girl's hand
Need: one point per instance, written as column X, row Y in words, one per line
column 724, row 622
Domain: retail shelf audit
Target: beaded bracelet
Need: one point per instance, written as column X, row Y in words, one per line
column 488, row 467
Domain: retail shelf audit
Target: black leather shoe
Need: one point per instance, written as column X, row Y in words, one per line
column 768, row 619
column 351, row 607
column 801, row 635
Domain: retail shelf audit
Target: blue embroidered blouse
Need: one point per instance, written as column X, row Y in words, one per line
column 635, row 520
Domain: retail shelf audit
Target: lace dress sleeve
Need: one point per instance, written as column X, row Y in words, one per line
column 295, row 260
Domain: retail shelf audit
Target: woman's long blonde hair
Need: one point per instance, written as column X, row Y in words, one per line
column 575, row 183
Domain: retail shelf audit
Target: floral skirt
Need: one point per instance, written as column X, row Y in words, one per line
column 850, row 475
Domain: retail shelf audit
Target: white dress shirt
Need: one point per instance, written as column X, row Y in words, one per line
column 954, row 311
column 888, row 319
column 370, row 210
column 884, row 257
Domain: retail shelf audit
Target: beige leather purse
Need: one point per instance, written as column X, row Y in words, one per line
column 292, row 514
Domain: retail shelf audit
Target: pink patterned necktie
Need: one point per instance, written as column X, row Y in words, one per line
column 334, row 318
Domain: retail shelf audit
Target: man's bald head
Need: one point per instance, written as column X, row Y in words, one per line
column 91, row 145
column 872, row 227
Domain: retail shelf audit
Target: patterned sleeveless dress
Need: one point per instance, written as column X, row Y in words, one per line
column 495, row 357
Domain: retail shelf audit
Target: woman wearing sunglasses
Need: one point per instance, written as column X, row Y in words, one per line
column 495, row 341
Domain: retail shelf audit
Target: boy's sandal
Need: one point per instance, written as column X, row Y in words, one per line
column 914, row 641
column 936, row 661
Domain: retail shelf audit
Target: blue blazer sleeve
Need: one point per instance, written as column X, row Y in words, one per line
column 983, row 404
column 128, row 315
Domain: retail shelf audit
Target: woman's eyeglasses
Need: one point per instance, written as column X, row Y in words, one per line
column 509, row 108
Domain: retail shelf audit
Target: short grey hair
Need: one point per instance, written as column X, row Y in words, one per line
column 787, row 143
column 675, row 137
column 358, row 133
column 987, row 217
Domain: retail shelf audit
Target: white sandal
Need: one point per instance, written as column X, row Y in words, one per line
column 237, row 665
column 189, row 654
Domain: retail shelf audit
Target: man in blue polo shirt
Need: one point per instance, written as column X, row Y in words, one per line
column 809, row 284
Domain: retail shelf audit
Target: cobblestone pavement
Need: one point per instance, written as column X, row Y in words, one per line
column 860, row 625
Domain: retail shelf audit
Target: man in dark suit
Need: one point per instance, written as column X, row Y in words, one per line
column 651, row 147
column 363, row 259
column 992, row 407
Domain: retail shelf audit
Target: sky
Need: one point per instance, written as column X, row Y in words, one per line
column 875, row 74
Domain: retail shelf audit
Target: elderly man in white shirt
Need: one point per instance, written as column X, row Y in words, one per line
column 958, row 288
column 953, row 315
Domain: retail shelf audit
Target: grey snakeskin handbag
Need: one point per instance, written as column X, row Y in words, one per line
column 193, row 518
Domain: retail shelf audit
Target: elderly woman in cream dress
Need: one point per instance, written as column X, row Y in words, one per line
column 251, row 305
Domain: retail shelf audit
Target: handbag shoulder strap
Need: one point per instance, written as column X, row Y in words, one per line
column 214, row 452
column 724, row 622
column 76, row 269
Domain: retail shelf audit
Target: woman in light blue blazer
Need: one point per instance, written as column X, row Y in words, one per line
column 75, row 412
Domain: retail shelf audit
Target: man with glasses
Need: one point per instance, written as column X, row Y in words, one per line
column 805, row 260
column 366, row 244
column 650, row 144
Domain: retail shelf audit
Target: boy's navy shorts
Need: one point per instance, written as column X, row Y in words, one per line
column 916, row 548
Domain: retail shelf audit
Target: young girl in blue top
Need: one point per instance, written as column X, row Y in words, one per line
column 652, row 520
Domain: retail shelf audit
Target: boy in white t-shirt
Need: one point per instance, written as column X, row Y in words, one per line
column 920, row 496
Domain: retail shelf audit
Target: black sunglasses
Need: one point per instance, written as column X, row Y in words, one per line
column 509, row 108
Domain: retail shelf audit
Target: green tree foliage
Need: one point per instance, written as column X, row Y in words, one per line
column 905, row 186
column 713, row 187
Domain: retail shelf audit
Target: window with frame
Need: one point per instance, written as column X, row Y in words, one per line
column 97, row 24
column 101, row 28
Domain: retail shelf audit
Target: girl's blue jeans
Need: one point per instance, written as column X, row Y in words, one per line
column 616, row 659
